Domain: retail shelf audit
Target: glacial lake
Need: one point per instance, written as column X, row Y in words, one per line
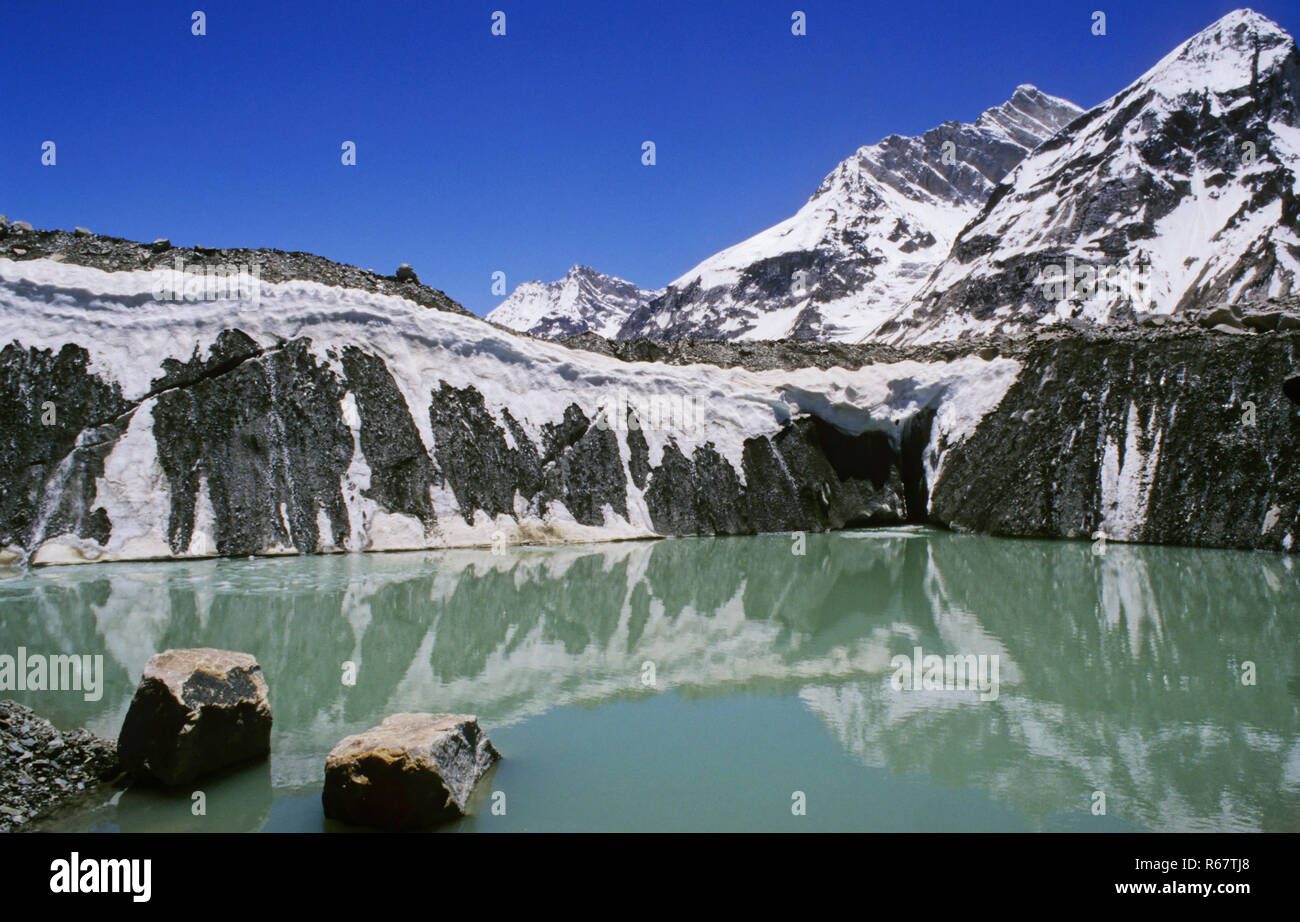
column 773, row 677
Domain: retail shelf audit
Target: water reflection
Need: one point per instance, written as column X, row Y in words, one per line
column 1119, row 673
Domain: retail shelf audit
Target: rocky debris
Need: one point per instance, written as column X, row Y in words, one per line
column 1264, row 316
column 82, row 231
column 41, row 767
column 4, row 221
column 764, row 355
column 195, row 711
column 410, row 772
column 114, row 254
column 406, row 274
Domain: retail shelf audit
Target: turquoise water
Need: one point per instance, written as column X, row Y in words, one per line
column 1119, row 673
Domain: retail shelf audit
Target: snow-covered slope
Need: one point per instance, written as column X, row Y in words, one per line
column 864, row 242
column 327, row 418
column 584, row 301
column 1183, row 186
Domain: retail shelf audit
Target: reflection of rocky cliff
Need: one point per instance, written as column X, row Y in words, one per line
column 1118, row 673
column 1127, row 680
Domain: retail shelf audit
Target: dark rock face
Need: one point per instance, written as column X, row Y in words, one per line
column 266, row 431
column 1189, row 461
column 808, row 477
column 579, row 464
column 195, row 712
column 412, row 771
column 58, row 421
column 400, row 470
column 479, row 466
column 41, row 767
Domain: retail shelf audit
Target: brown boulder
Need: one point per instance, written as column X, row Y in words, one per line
column 195, row 712
column 412, row 771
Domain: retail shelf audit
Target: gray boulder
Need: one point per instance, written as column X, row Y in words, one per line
column 1263, row 321
column 406, row 274
column 195, row 712
column 82, row 231
column 412, row 771
column 1219, row 315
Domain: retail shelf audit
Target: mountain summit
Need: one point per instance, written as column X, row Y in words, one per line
column 1187, row 178
column 875, row 228
column 1178, row 192
column 583, row 301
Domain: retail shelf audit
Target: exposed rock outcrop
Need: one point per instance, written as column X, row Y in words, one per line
column 1182, row 441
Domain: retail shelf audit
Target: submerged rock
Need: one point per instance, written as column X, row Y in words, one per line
column 194, row 712
column 411, row 771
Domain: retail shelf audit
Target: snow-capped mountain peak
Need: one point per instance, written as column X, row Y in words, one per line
column 1180, row 190
column 859, row 248
column 1228, row 54
column 584, row 300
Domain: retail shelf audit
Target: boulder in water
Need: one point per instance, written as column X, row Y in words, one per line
column 195, row 712
column 412, row 771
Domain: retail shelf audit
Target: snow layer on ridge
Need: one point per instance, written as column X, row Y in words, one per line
column 47, row 304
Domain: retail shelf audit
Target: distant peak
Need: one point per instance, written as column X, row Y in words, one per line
column 1240, row 29
column 1228, row 53
column 1247, row 18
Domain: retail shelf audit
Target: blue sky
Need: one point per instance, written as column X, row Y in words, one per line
column 519, row 153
